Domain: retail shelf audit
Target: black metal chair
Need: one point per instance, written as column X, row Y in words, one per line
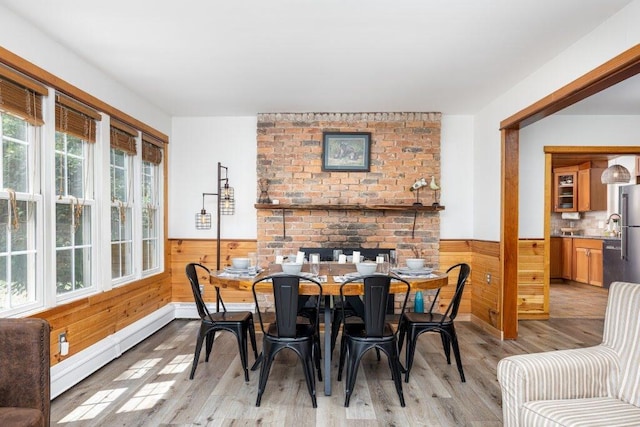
column 415, row 324
column 238, row 322
column 287, row 331
column 374, row 333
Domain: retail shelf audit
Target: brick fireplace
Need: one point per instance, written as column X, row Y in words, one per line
column 404, row 148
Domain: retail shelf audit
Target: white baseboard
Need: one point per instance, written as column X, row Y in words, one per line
column 74, row 369
column 186, row 310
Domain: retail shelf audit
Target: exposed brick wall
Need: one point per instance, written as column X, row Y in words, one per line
column 404, row 147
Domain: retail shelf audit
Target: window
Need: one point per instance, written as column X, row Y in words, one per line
column 18, row 207
column 75, row 205
column 122, row 155
column 151, row 159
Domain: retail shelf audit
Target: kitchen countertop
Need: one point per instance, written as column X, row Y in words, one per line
column 581, row 236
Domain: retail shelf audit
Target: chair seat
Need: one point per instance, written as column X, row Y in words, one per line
column 21, row 417
column 426, row 318
column 303, row 331
column 592, row 412
column 357, row 331
column 231, row 316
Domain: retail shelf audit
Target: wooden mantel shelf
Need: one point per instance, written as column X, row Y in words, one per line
column 357, row 207
column 339, row 207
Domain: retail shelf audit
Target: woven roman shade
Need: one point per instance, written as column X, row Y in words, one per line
column 21, row 96
column 123, row 137
column 151, row 149
column 76, row 119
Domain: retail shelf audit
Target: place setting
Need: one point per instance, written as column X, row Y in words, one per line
column 414, row 268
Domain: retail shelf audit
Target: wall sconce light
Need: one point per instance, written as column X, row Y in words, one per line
column 615, row 174
column 226, row 206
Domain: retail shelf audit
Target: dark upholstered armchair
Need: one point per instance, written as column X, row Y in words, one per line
column 24, row 373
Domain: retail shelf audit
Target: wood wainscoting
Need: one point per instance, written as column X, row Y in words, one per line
column 184, row 251
column 533, row 289
column 89, row 320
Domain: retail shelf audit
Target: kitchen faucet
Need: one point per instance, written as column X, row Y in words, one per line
column 612, row 215
column 616, row 226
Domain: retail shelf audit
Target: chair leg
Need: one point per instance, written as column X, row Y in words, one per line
column 307, row 364
column 335, row 329
column 446, row 345
column 315, row 350
column 252, row 336
column 402, row 329
column 343, row 351
column 196, row 355
column 264, row 370
column 352, row 372
column 456, row 353
column 211, row 336
column 241, row 336
column 394, row 359
column 412, row 337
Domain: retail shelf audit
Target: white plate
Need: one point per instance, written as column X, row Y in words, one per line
column 410, row 272
column 233, row 270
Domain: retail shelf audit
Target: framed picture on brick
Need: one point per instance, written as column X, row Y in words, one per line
column 346, row 151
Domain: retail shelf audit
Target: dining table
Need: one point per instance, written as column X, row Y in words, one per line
column 331, row 276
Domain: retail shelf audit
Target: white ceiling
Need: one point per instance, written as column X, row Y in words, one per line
column 242, row 57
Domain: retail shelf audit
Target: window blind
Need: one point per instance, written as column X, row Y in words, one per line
column 75, row 118
column 151, row 149
column 123, row 137
column 21, row 96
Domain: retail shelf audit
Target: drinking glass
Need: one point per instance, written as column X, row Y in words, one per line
column 393, row 259
column 383, row 263
column 336, row 255
column 314, row 264
column 253, row 260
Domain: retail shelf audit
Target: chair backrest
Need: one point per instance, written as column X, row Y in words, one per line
column 286, row 289
column 622, row 334
column 454, row 304
column 192, row 274
column 376, row 294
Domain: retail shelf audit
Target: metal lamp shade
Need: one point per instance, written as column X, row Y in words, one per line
column 227, row 202
column 203, row 220
column 615, row 174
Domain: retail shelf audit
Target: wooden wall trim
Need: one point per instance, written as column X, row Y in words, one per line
column 621, row 67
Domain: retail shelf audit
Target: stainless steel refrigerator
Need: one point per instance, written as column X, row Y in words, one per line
column 630, row 236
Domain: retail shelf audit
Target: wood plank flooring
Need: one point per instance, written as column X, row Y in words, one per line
column 149, row 385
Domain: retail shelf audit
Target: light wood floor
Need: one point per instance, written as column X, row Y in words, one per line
column 149, row 385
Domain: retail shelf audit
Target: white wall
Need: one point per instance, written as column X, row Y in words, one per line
column 611, row 38
column 457, row 172
column 563, row 130
column 30, row 43
column 197, row 145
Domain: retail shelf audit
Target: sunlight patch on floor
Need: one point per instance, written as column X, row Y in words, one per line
column 138, row 369
column 147, row 397
column 93, row 406
column 179, row 364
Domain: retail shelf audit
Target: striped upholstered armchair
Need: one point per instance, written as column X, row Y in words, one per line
column 595, row 386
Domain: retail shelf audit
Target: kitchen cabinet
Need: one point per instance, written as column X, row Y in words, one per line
column 564, row 189
column 587, row 261
column 579, row 189
column 592, row 193
column 567, row 258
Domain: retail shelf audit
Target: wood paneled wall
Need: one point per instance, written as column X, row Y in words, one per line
column 89, row 320
column 533, row 290
column 184, row 251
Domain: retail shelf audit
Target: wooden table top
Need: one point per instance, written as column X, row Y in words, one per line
column 436, row 280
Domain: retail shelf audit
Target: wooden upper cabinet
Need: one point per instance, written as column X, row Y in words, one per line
column 592, row 193
column 579, row 189
column 564, row 190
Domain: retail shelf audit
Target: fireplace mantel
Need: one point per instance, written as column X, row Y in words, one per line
column 346, row 207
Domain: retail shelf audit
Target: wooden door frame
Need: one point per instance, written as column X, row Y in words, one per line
column 620, row 68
